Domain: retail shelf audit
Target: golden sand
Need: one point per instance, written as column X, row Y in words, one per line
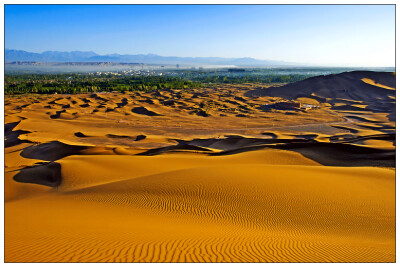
column 218, row 213
column 180, row 187
column 372, row 82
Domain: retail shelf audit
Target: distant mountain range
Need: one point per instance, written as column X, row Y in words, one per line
column 80, row 56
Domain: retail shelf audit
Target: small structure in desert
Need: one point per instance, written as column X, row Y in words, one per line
column 289, row 105
column 308, row 106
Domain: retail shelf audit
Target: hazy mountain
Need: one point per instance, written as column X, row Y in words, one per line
column 48, row 56
column 79, row 56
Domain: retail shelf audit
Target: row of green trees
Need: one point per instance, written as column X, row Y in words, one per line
column 44, row 84
column 82, row 83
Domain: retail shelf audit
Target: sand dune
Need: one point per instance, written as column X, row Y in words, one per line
column 265, row 209
column 204, row 175
column 374, row 89
column 348, row 85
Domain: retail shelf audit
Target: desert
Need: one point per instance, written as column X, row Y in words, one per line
column 224, row 173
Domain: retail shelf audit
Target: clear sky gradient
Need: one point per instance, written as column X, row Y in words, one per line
column 329, row 35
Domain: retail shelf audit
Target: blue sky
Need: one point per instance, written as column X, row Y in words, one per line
column 331, row 35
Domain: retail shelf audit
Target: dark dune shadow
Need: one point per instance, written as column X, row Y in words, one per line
column 169, row 103
column 339, row 153
column 149, row 101
column 349, row 108
column 58, row 114
column 349, row 138
column 359, row 118
column 134, row 138
column 53, row 103
column 97, row 97
column 330, row 154
column 124, row 102
column 11, row 137
column 79, row 134
column 305, row 136
column 48, row 174
column 51, row 151
column 140, row 137
column 144, row 111
column 86, row 100
column 120, row 136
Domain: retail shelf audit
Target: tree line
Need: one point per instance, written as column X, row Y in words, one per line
column 84, row 83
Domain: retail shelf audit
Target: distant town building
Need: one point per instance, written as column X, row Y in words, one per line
column 308, row 106
column 289, row 105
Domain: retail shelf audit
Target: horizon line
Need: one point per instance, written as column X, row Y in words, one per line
column 302, row 65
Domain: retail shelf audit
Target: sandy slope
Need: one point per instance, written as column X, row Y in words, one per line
column 246, row 212
column 375, row 90
column 148, row 178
